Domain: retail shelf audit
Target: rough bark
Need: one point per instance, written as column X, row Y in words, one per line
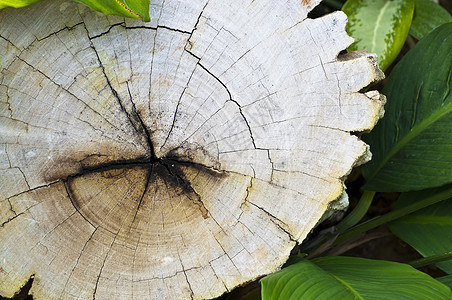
column 172, row 159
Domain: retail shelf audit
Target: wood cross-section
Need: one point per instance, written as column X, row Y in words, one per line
column 174, row 159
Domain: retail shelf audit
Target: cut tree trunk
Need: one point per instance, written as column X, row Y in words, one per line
column 174, row 159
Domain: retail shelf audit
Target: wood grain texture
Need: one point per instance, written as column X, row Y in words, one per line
column 174, row 159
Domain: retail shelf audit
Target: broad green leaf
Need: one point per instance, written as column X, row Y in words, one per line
column 336, row 277
column 16, row 3
column 379, row 26
column 428, row 230
column 427, row 16
column 412, row 144
column 137, row 9
column 447, row 280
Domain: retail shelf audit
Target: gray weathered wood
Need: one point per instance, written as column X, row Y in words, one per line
column 172, row 159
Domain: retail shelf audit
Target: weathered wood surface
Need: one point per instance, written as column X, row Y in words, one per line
column 172, row 159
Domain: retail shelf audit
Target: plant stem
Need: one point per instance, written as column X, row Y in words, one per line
column 377, row 221
column 358, row 212
column 350, row 220
column 431, row 260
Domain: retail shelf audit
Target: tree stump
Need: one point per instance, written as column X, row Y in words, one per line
column 174, row 159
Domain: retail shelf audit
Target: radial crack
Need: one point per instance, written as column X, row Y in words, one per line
column 78, row 259
column 186, row 185
column 113, row 91
column 177, row 109
column 148, row 179
column 275, row 220
column 67, row 91
column 143, row 125
column 246, row 122
column 9, row 42
column 131, row 116
column 25, row 178
column 272, row 163
column 186, row 278
column 245, row 200
column 133, row 264
column 225, row 253
column 195, row 27
column 8, row 103
column 230, row 99
column 11, row 207
column 7, row 156
column 102, row 267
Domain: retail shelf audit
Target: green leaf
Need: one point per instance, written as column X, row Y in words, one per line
column 428, row 230
column 379, row 26
column 136, row 9
column 16, row 3
column 351, row 278
column 447, row 280
column 412, row 144
column 427, row 16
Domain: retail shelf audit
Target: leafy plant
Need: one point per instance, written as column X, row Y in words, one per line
column 335, row 277
column 428, row 230
column 16, row 3
column 379, row 26
column 427, row 16
column 136, row 9
column 412, row 153
column 412, row 145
